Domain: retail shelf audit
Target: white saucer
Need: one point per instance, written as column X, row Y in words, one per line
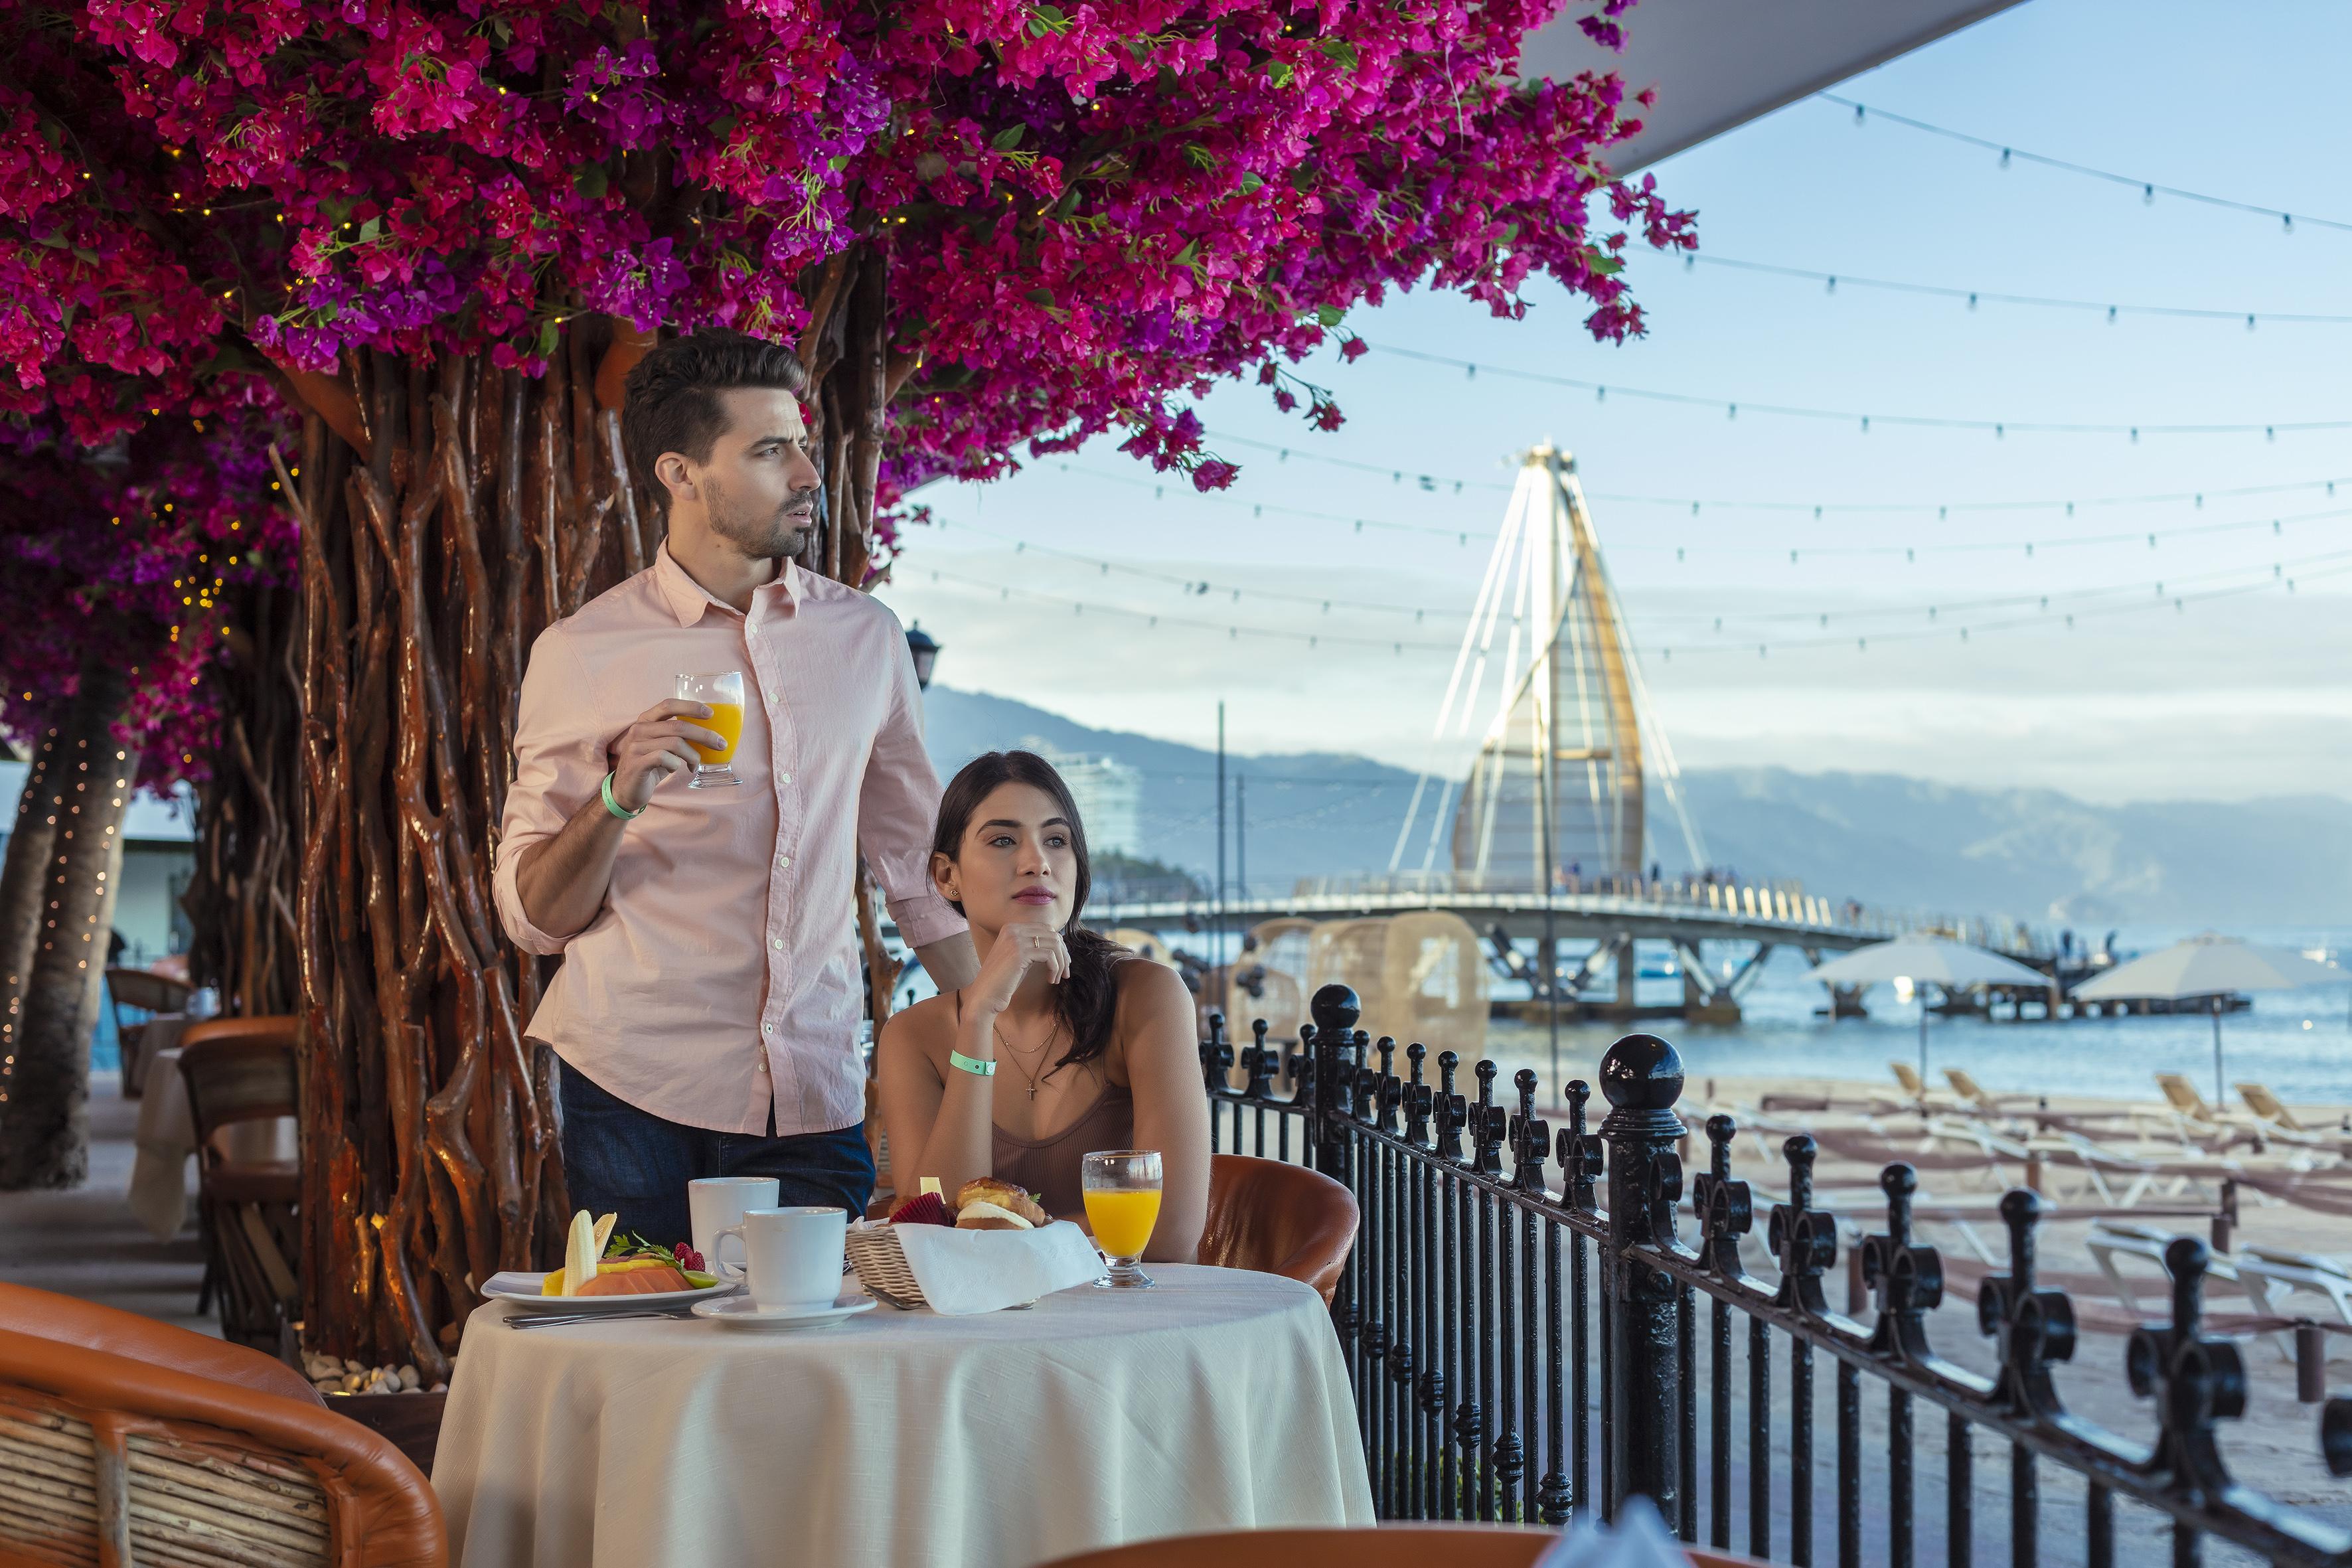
column 742, row 1312
column 526, row 1290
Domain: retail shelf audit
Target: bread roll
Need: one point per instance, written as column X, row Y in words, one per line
column 981, row 1214
column 1004, row 1195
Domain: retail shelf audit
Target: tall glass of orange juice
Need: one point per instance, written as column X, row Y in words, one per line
column 723, row 693
column 1122, row 1193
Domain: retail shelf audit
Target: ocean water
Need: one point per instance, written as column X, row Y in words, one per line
column 2297, row 1042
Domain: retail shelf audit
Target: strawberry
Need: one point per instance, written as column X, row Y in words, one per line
column 929, row 1208
column 690, row 1260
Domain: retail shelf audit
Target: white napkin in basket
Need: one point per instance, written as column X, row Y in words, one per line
column 967, row 1271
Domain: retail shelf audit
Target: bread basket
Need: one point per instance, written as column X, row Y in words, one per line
column 881, row 1262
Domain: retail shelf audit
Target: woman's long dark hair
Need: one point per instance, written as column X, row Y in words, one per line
column 1087, row 1001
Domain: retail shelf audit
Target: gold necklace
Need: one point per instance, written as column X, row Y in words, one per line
column 1007, row 1048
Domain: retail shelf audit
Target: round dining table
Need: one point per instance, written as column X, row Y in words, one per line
column 902, row 1439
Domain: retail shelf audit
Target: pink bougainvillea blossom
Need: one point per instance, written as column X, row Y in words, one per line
column 130, row 549
column 1090, row 213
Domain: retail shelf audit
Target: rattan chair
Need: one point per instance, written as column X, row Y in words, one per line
column 242, row 1070
column 1391, row 1546
column 1275, row 1219
column 146, row 993
column 126, row 1441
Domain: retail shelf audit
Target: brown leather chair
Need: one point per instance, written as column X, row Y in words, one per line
column 126, row 1441
column 241, row 1070
column 1390, row 1546
column 1277, row 1219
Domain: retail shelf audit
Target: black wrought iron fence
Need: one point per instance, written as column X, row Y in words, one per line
column 1511, row 1334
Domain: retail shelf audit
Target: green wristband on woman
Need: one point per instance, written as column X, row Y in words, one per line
column 971, row 1065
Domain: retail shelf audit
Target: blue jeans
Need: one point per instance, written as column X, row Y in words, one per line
column 620, row 1160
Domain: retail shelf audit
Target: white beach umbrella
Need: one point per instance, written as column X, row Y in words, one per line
column 1927, row 961
column 2213, row 966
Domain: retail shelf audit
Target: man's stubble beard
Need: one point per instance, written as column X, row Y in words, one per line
column 768, row 536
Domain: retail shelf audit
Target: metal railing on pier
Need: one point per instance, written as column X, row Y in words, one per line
column 1531, row 1336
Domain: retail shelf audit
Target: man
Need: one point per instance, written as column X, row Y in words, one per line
column 707, row 1013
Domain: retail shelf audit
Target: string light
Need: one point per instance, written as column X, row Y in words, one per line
column 2149, row 189
column 1941, row 509
column 1233, row 631
column 1909, row 552
column 2089, row 598
column 1968, row 633
column 1666, row 652
column 1999, row 427
column 2043, row 300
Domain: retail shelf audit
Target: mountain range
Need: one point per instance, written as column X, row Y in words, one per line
column 1882, row 838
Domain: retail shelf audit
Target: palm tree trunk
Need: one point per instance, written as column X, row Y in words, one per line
column 20, row 895
column 44, row 1104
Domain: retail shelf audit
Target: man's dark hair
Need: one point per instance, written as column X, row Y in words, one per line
column 671, row 401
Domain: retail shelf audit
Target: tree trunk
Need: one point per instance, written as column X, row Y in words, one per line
column 45, row 1102
column 241, row 901
column 20, row 894
column 351, row 829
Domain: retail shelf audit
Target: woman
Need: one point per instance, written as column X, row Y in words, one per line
column 1065, row 1045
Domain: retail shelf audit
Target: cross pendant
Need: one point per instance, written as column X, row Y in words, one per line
column 1033, row 1091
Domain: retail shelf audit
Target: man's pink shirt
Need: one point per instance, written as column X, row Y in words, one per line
column 722, row 976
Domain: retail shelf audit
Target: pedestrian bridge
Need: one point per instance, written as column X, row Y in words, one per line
column 1612, row 916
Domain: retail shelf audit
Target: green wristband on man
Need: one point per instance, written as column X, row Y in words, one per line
column 615, row 806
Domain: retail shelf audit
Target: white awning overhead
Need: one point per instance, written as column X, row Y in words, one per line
column 1717, row 64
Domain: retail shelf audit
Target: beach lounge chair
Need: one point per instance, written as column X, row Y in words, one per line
column 1914, row 1089
column 2268, row 1107
column 2274, row 1277
column 1975, row 1096
column 2274, row 1119
column 2111, row 1239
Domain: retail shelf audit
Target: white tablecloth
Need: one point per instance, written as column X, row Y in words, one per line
column 166, row 1136
column 903, row 1439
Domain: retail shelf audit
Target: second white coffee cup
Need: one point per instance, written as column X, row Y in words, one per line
column 795, row 1255
column 714, row 1203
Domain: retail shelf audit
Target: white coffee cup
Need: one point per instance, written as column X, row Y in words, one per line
column 715, row 1203
column 795, row 1255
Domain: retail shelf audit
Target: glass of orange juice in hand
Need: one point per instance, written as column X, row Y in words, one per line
column 1122, row 1192
column 724, row 695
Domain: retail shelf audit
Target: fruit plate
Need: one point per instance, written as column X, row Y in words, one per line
column 523, row 1288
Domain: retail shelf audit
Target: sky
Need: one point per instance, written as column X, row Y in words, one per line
column 2243, row 690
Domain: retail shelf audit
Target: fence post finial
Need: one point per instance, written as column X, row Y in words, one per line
column 1642, row 1076
column 1530, row 1138
column 1724, row 1209
column 1908, row 1278
column 1417, row 1098
column 1453, row 1114
column 1259, row 1062
column 1803, row 1238
column 2034, row 1328
column 1581, row 1161
column 2195, row 1380
column 1488, row 1123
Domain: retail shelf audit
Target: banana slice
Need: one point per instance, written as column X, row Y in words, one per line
column 580, row 1253
column 605, row 1232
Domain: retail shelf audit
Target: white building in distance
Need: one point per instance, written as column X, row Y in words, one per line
column 1108, row 793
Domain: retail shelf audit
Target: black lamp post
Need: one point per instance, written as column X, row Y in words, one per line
column 925, row 650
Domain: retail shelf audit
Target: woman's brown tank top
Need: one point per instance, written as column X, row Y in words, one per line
column 1051, row 1167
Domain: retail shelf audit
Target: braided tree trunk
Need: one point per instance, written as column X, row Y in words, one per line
column 459, row 511
column 72, row 813
column 241, row 901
